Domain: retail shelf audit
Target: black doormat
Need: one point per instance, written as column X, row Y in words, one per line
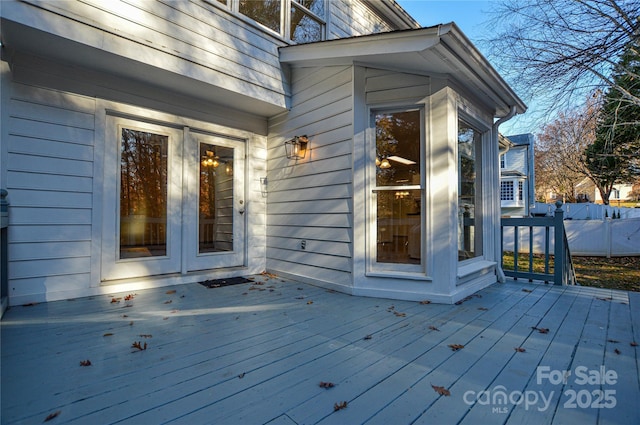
column 217, row 283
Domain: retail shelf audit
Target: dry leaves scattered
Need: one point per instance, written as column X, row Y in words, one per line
column 367, row 337
column 441, row 390
column 527, row 290
column 433, row 328
column 541, row 330
column 425, row 302
column 85, row 363
column 633, row 344
column 108, row 334
column 115, row 300
column 52, row 416
column 617, row 351
column 483, row 308
column 455, row 347
column 339, row 406
column 326, row 384
column 519, row 349
column 172, row 291
column 129, row 297
column 139, row 346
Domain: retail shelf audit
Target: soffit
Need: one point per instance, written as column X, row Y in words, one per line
column 438, row 50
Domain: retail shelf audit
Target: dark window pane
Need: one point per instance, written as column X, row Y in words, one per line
column 398, row 148
column 215, row 218
column 304, row 29
column 267, row 12
column 143, row 194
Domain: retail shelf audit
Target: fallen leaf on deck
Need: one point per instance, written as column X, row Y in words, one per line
column 397, row 313
column 52, row 416
column 85, row 363
column 115, row 300
column 326, row 384
column 168, row 301
column 108, row 334
column 455, row 347
column 339, row 406
column 519, row 349
column 172, row 291
column 146, row 336
column 367, row 337
column 425, row 302
column 300, row 298
column 29, row 304
column 441, row 390
column 483, row 308
column 433, row 328
column 241, row 375
column 633, row 344
column 139, row 346
column 131, row 323
column 615, row 341
column 541, row 330
column 527, row 290
column 129, row 297
column 309, row 302
column 617, row 351
column 604, row 299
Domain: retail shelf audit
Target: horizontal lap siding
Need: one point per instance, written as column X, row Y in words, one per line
column 311, row 200
column 49, row 179
column 351, row 18
column 195, row 31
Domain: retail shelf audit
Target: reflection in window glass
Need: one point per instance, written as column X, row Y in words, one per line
column 143, row 194
column 469, row 192
column 315, row 6
column 267, row 12
column 398, row 187
column 215, row 218
column 304, row 29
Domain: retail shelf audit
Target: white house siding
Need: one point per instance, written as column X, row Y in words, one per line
column 196, row 39
column 49, row 171
column 349, row 18
column 310, row 201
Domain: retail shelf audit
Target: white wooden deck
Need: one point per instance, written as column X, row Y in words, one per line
column 254, row 354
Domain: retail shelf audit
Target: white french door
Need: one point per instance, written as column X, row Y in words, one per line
column 173, row 200
column 214, row 217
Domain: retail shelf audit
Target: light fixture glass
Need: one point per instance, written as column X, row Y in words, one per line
column 296, row 148
column 384, row 164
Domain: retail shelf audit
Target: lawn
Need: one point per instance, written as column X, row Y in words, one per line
column 600, row 272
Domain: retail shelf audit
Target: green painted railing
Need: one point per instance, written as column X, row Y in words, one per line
column 563, row 271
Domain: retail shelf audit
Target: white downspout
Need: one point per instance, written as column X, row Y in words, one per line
column 498, row 230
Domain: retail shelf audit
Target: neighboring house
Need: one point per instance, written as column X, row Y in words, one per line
column 517, row 178
column 143, row 144
column 586, row 191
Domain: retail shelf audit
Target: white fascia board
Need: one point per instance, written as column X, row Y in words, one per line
column 442, row 50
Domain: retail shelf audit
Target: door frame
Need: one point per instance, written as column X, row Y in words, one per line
column 105, row 184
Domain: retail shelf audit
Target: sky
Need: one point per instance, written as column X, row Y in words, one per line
column 471, row 16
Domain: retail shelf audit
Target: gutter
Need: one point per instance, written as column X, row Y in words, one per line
column 512, row 112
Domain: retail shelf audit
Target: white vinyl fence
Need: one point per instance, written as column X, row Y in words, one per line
column 599, row 238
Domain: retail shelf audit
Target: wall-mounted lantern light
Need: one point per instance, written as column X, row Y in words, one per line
column 296, row 148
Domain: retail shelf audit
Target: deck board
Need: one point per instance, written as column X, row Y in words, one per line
column 255, row 354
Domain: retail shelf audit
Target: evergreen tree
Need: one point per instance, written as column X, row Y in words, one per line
column 613, row 157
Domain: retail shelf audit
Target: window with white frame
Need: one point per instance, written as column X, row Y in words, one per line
column 503, row 162
column 520, row 191
column 299, row 21
column 469, row 191
column 506, row 191
column 398, row 189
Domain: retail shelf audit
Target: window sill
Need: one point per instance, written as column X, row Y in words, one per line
column 475, row 267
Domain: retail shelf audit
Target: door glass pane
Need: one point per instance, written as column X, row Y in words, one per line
column 215, row 213
column 469, row 192
column 399, row 226
column 143, row 194
column 398, row 187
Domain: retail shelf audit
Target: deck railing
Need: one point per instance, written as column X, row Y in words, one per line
column 563, row 271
